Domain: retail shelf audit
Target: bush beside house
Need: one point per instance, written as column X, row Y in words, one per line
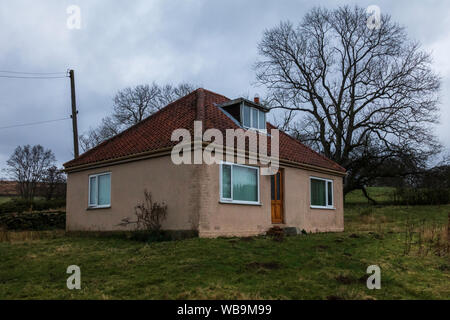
column 33, row 221
column 21, row 205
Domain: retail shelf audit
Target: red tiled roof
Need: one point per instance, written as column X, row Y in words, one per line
column 154, row 133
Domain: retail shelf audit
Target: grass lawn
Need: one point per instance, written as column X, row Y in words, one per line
column 313, row 266
column 379, row 194
column 4, row 199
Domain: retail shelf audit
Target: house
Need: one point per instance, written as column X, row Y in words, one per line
column 220, row 199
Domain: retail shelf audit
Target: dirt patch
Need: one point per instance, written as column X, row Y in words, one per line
column 444, row 267
column 263, row 265
column 363, row 279
column 376, row 235
column 346, row 279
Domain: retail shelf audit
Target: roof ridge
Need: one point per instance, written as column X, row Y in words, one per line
column 215, row 93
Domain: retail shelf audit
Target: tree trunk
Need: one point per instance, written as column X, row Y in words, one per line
column 371, row 200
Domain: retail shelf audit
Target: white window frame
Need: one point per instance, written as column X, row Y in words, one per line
column 95, row 205
column 251, row 118
column 331, row 207
column 230, row 200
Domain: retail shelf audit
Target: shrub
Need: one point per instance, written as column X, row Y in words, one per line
column 149, row 215
column 21, row 205
column 33, row 221
column 15, row 205
column 421, row 196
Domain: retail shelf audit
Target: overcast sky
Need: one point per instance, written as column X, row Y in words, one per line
column 124, row 43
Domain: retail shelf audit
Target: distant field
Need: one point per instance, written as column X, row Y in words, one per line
column 4, row 199
column 379, row 194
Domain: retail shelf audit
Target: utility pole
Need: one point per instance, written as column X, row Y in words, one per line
column 74, row 114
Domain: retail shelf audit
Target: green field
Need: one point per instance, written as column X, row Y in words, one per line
column 313, row 266
column 380, row 194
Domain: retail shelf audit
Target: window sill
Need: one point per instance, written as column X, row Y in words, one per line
column 323, row 208
column 98, row 208
column 263, row 131
column 241, row 203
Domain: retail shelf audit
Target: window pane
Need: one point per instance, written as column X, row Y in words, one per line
column 104, row 189
column 245, row 184
column 246, row 114
column 272, row 187
column 318, row 192
column 262, row 120
column 93, row 190
column 330, row 193
column 254, row 118
column 226, row 181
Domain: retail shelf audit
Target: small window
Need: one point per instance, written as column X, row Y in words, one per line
column 239, row 184
column 100, row 190
column 247, row 116
column 253, row 118
column 262, row 120
column 321, row 193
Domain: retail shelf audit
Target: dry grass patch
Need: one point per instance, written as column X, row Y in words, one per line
column 29, row 236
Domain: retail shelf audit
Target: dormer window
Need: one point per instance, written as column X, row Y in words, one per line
column 253, row 118
column 247, row 114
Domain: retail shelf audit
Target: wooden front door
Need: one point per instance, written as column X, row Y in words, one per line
column 277, row 192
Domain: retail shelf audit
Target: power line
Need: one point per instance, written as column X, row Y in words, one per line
column 37, row 77
column 33, row 123
column 36, row 73
column 32, row 75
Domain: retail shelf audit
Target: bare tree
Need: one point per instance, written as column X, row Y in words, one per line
column 54, row 183
column 170, row 93
column 94, row 136
column 28, row 165
column 365, row 95
column 131, row 106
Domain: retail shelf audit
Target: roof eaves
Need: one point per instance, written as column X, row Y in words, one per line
column 246, row 101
